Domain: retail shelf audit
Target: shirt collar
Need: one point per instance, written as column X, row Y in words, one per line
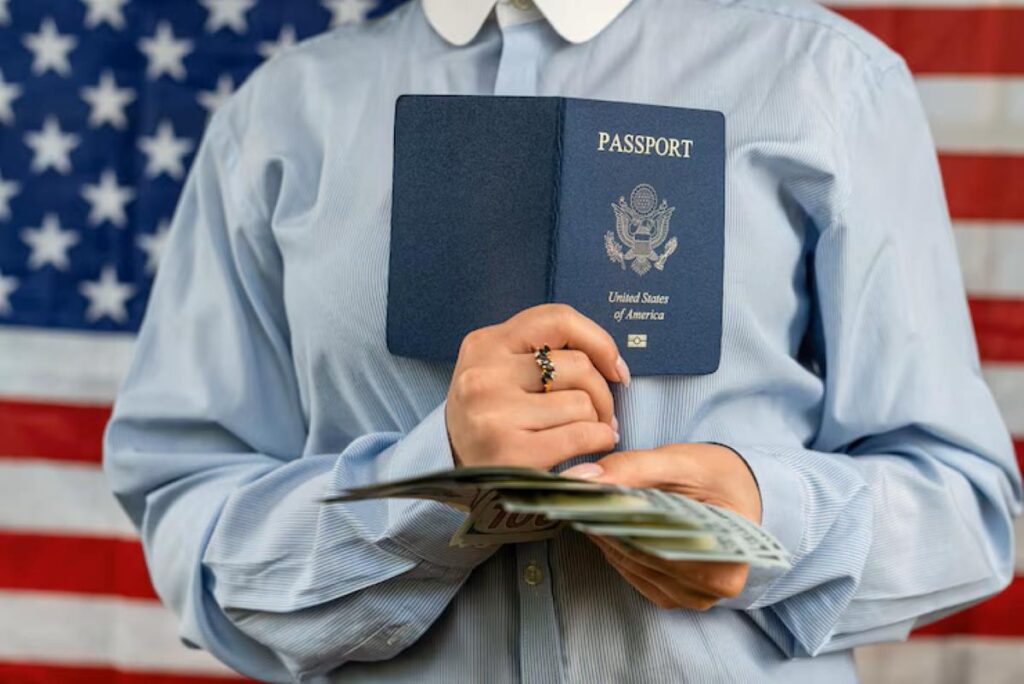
column 458, row 21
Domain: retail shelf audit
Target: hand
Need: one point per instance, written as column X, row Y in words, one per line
column 497, row 412
column 706, row 472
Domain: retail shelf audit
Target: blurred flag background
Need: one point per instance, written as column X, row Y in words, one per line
column 103, row 103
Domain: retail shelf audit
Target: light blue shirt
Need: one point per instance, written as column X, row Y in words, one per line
column 849, row 377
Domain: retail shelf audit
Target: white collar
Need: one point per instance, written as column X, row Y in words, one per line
column 458, row 21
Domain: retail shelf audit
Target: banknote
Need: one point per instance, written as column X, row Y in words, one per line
column 516, row 505
column 489, row 524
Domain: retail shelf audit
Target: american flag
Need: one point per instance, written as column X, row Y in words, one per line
column 103, row 103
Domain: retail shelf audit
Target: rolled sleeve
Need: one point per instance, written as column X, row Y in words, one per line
column 782, row 515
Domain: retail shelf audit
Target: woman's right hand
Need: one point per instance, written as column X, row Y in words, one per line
column 497, row 412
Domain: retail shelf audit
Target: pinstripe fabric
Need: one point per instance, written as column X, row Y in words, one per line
column 849, row 380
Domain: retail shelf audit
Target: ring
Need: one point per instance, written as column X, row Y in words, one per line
column 547, row 370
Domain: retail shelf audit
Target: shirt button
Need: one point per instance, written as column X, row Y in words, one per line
column 532, row 574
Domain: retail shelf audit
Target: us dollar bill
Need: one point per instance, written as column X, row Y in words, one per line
column 516, row 505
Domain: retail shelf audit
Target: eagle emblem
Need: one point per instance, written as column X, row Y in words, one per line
column 641, row 226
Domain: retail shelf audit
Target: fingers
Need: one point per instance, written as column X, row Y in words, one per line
column 696, row 585
column 543, row 411
column 558, row 326
column 719, row 579
column 679, row 598
column 573, row 370
column 560, row 443
column 655, row 585
column 672, row 470
column 650, row 590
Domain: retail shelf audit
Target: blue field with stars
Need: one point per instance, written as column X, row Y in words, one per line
column 102, row 105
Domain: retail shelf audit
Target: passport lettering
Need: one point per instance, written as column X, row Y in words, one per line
column 636, row 143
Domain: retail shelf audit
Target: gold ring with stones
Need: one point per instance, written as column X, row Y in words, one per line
column 547, row 370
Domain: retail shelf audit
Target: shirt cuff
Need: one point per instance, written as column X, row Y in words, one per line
column 421, row 527
column 782, row 515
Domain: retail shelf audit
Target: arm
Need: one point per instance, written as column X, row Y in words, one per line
column 905, row 498
column 900, row 510
column 206, row 449
column 203, row 451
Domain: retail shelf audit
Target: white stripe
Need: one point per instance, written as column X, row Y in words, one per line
column 990, row 257
column 1007, row 383
column 946, row 660
column 69, row 498
column 78, row 630
column 975, row 114
column 1018, row 530
column 69, row 366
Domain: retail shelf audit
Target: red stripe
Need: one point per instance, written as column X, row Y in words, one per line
column 55, row 431
column 984, row 186
column 999, row 328
column 934, row 40
column 82, row 565
column 38, row 673
column 997, row 617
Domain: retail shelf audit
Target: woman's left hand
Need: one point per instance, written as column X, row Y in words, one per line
column 706, row 472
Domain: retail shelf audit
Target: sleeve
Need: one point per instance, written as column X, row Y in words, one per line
column 900, row 510
column 205, row 453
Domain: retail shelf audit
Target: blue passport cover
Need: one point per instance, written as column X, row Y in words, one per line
column 502, row 203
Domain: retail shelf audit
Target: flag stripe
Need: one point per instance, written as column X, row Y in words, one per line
column 72, row 367
column 932, row 39
column 83, row 565
column 924, row 3
column 990, row 258
column 1007, row 384
column 63, row 432
column 40, row 673
column 974, row 114
column 998, row 617
column 984, row 186
column 55, row 497
column 999, row 329
column 129, row 634
column 945, row 660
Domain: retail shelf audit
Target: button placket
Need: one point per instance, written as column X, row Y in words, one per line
column 540, row 655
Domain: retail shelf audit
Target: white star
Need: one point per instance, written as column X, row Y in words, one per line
column 165, row 53
column 212, row 99
column 51, row 147
column 154, row 245
column 285, row 39
column 9, row 92
column 107, row 296
column 5, row 14
column 108, row 102
column 165, row 153
column 347, row 11
column 50, row 49
column 230, row 13
column 8, row 284
column 8, row 189
column 110, row 11
column 107, row 200
column 49, row 243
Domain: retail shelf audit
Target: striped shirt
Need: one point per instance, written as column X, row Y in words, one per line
column 849, row 378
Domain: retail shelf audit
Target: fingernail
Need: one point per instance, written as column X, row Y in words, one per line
column 584, row 471
column 623, row 370
column 615, row 427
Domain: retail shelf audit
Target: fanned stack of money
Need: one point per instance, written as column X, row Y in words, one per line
column 513, row 505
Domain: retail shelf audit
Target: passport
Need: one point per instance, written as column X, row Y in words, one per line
column 502, row 203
